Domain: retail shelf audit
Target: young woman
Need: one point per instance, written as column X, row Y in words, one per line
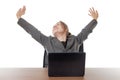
column 62, row 41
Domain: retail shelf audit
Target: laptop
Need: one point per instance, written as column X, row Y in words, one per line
column 66, row 64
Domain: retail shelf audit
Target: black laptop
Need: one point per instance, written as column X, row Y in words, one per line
column 66, row 64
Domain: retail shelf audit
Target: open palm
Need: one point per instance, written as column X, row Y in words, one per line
column 21, row 12
column 93, row 13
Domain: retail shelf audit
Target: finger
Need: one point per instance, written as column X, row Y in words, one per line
column 90, row 10
column 19, row 9
column 89, row 14
column 93, row 10
column 97, row 12
column 18, row 13
column 24, row 8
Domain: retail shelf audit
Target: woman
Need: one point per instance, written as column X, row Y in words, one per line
column 62, row 40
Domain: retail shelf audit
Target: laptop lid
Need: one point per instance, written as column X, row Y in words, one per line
column 66, row 64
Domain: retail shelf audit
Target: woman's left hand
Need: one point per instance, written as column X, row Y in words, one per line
column 93, row 13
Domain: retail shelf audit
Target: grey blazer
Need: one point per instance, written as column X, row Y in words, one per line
column 52, row 44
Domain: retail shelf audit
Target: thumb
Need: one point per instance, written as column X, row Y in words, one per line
column 24, row 8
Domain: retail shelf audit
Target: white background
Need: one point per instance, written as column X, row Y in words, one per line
column 19, row 49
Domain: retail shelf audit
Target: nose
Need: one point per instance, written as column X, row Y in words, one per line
column 55, row 26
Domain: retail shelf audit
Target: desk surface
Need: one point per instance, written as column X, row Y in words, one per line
column 41, row 74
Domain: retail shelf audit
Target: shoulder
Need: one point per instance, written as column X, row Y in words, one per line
column 52, row 38
column 71, row 37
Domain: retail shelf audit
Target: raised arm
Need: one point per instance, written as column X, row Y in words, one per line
column 35, row 33
column 88, row 29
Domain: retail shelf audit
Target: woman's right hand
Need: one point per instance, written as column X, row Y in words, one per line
column 21, row 12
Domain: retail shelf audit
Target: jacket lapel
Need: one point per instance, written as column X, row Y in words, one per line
column 58, row 44
column 70, row 43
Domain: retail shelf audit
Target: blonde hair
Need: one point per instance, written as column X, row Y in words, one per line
column 66, row 27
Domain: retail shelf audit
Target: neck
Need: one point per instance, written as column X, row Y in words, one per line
column 62, row 37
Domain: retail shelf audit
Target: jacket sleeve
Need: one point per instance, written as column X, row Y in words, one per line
column 35, row 33
column 86, row 31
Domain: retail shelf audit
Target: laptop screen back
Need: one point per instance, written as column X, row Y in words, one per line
column 66, row 64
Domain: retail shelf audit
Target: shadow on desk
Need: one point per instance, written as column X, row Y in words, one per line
column 42, row 74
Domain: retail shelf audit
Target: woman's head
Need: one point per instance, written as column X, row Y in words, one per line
column 60, row 28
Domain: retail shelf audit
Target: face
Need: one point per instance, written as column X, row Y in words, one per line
column 58, row 28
